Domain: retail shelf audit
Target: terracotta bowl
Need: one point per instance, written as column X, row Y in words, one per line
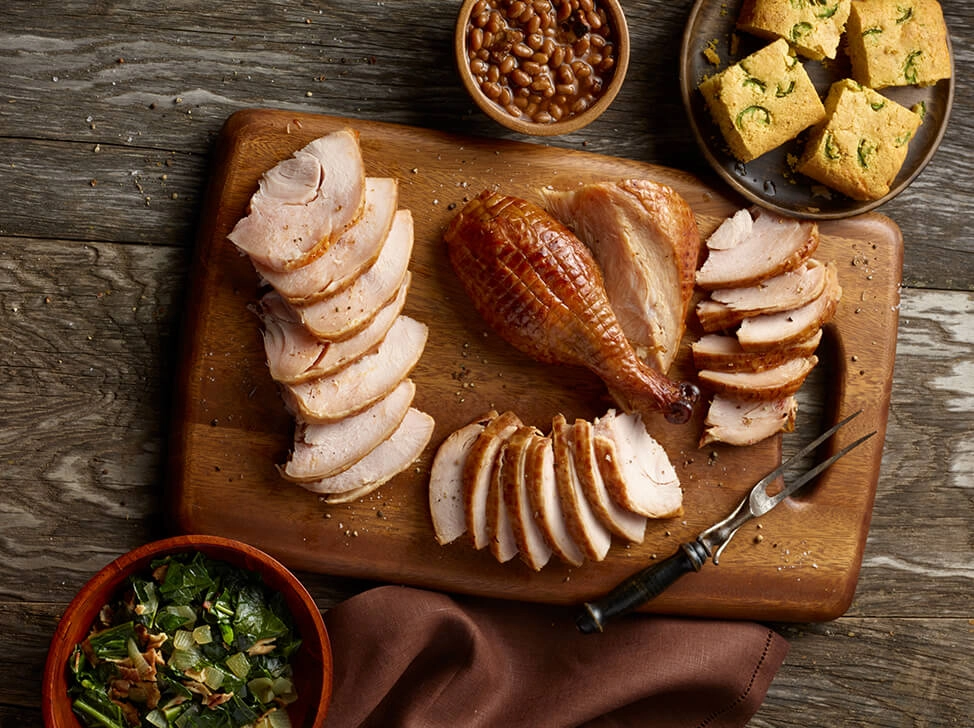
column 312, row 664
column 569, row 121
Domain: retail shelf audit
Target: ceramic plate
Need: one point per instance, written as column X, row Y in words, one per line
column 770, row 180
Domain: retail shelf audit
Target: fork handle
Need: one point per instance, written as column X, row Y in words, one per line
column 641, row 587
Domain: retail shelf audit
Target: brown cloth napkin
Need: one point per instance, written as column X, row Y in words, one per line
column 414, row 658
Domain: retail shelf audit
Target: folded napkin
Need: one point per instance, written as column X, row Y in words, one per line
column 409, row 657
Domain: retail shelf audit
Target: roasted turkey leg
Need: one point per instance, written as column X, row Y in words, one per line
column 539, row 288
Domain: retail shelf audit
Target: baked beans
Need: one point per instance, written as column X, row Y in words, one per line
column 541, row 60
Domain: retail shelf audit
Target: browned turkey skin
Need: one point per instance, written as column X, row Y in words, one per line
column 538, row 287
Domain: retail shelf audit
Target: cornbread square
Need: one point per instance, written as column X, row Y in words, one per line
column 813, row 27
column 762, row 101
column 860, row 147
column 898, row 43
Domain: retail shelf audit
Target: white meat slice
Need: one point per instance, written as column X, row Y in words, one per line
column 529, row 540
column 774, row 383
column 724, row 353
column 645, row 239
column 727, row 307
column 446, row 480
column 381, row 465
column 621, row 521
column 636, row 469
column 740, row 257
column 583, row 524
column 539, row 474
column 321, row 451
column 743, row 422
column 354, row 251
column 350, row 310
column 477, row 472
column 784, row 329
column 364, row 381
column 500, row 531
column 295, row 355
column 304, row 203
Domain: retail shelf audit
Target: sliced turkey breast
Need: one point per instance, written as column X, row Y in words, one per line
column 500, row 531
column 446, row 480
column 354, row 251
column 744, row 422
column 529, row 539
column 774, row 383
column 350, row 310
column 622, row 522
column 741, row 255
column 636, row 469
column 295, row 355
column 321, row 451
column 381, row 465
column 784, row 329
column 727, row 307
column 539, row 474
column 304, row 203
column 724, row 353
column 477, row 471
column 366, row 380
column 583, row 524
column 645, row 240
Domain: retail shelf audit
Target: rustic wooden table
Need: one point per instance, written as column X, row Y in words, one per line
column 108, row 112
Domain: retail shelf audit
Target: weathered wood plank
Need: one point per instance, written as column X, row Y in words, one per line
column 186, row 70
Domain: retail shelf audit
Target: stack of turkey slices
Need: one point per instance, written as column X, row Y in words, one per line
column 520, row 492
column 768, row 301
column 334, row 249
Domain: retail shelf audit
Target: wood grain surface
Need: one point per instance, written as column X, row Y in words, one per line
column 231, row 429
column 109, row 112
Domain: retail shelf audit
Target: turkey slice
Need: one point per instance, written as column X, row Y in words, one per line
column 539, row 475
column 295, row 355
column 381, row 465
column 743, row 422
column 724, row 353
column 742, row 255
column 645, row 240
column 636, row 469
column 774, row 383
column 529, row 541
column 304, row 203
column 727, row 307
column 352, row 253
column 777, row 330
column 622, row 522
column 350, row 310
column 321, row 451
column 583, row 524
column 355, row 387
column 446, row 480
column 500, row 531
column 477, row 472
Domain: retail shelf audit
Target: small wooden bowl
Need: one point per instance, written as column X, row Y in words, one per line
column 312, row 663
column 568, row 123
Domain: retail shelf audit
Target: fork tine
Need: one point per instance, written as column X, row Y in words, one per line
column 766, row 480
column 775, row 499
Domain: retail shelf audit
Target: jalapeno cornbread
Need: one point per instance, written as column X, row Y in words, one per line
column 860, row 147
column 813, row 27
column 898, row 43
column 762, row 101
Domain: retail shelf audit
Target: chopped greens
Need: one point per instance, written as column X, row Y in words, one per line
column 198, row 643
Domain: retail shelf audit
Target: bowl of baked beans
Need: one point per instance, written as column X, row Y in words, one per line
column 542, row 67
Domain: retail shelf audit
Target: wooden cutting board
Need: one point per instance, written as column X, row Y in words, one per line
column 230, row 428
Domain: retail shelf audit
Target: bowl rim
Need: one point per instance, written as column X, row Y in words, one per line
column 110, row 577
column 565, row 126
